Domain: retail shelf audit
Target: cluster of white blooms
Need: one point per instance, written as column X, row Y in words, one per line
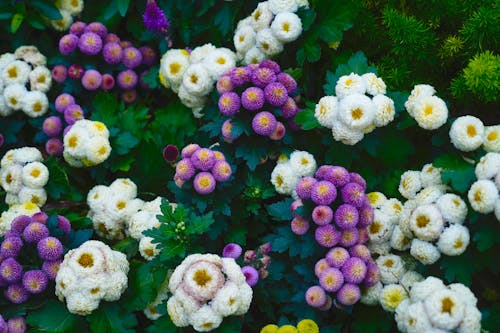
column 14, row 211
column 428, row 110
column 89, row 274
column 23, row 176
column 352, row 112
column 271, row 25
column 468, row 133
column 484, row 193
column 86, row 143
column 288, row 171
column 191, row 75
column 24, row 82
column 435, row 307
column 68, row 9
column 206, row 288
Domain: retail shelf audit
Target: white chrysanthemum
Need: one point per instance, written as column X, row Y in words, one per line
column 16, row 72
column 141, row 221
column 261, row 17
column 26, row 155
column 419, row 91
column 404, row 218
column 98, row 151
column 38, row 196
column 197, row 80
column 464, row 293
column 429, row 194
column 11, row 178
column 491, row 142
column 452, row 207
column 202, row 280
column 283, row 179
column 64, row 23
column 200, row 53
column 40, row 79
column 430, row 112
column 488, row 166
column 148, row 249
column 445, row 309
column 30, row 54
column 287, row 27
column 254, row 56
column 74, row 7
column 482, row 196
column 219, row 61
column 75, row 142
column 124, row 187
column 173, row 64
column 191, row 100
column 467, row 133
column 35, row 175
column 410, row 278
column 233, row 271
column 377, row 199
column 391, row 268
column 384, row 110
column 392, row 208
column 430, row 175
column 282, row 6
column 399, row 241
column 268, row 43
column 381, row 229
column 226, row 301
column 12, row 199
column 391, row 296
column 6, row 59
column 416, row 320
column 244, row 39
column 382, row 248
column 326, row 111
column 371, row 295
column 454, row 240
column 94, row 128
column 341, row 132
column 426, row 222
column 410, row 184
column 350, row 84
column 422, row 290
column 424, row 251
column 14, row 96
column 97, row 198
column 246, row 294
column 205, row 319
column 35, row 104
column 243, row 22
column 4, row 109
column 374, row 85
column 401, row 314
column 302, row 163
column 177, row 313
column 471, row 322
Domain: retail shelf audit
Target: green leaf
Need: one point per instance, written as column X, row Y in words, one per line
column 122, row 6
column 78, row 237
column 199, row 224
column 129, row 246
column 164, row 324
column 124, row 142
column 111, row 319
column 456, row 171
column 105, row 109
column 251, row 154
column 54, row 318
column 280, row 211
column 487, row 235
column 306, row 119
column 455, row 270
column 16, row 22
column 230, row 325
column 47, row 9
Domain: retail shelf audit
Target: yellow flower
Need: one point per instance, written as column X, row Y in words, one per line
column 307, row 326
column 287, row 329
column 271, row 328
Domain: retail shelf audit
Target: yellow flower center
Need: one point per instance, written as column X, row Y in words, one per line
column 12, row 72
column 242, row 38
column 471, row 131
column 201, row 277
column 256, row 15
column 279, row 180
column 73, row 141
column 8, row 179
column 265, row 46
column 447, row 305
column 149, row 252
column 264, row 121
column 102, row 151
column 29, row 206
column 35, row 199
column 86, row 260
column 74, row 3
column 422, row 221
column 204, row 182
column 13, row 100
column 121, row 204
column 221, row 60
column 375, row 227
column 94, row 290
column 492, row 136
column 175, row 68
column 428, row 110
column 478, row 196
column 458, row 244
column 397, row 207
column 194, row 79
column 286, row 27
column 348, row 82
column 389, row 263
column 357, row 113
column 41, row 79
column 37, row 107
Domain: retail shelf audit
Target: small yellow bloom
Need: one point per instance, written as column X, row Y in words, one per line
column 271, row 328
column 307, row 326
column 287, row 329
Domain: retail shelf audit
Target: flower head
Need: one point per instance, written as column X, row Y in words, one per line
column 299, row 225
column 91, row 79
column 229, row 103
column 90, row 43
column 327, row 236
column 132, row 57
column 50, row 248
column 331, row 279
column 154, row 18
column 322, row 214
column 35, row 281
column 232, row 250
column 203, row 159
column 16, row 293
column 127, row 79
column 185, row 169
column 51, row 268
column 354, row 270
column 315, row 296
column 264, row 123
column 337, row 257
column 304, row 186
column 11, row 246
column 10, row 270
column 349, row 294
column 204, row 183
column 323, row 193
column 251, row 275
column 353, row 193
column 275, row 94
column 112, row 53
column 35, row 232
column 68, row 43
column 346, row 216
column 252, row 98
column 221, row 171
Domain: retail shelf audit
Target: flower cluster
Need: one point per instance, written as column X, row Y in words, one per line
column 433, row 306
column 304, row 326
column 191, row 75
column 19, row 70
column 23, row 176
column 67, row 9
column 287, row 172
column 33, row 232
column 207, row 288
column 483, row 194
column 468, row 133
column 86, row 143
column 262, row 92
column 13, row 325
column 428, row 110
column 90, row 273
column 271, row 25
column 257, row 261
column 351, row 113
column 211, row 164
column 14, row 211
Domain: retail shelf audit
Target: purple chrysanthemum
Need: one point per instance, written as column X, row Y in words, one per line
column 108, row 82
column 360, row 251
column 148, row 55
column 288, row 81
column 338, row 176
column 356, row 178
column 295, row 205
column 263, row 76
column 346, row 216
column 40, row 217
column 189, row 150
column 354, row 270
column 232, row 250
column 10, row 270
column 50, row 248
column 90, row 43
column 349, row 294
column 331, row 279
column 154, row 18
column 322, row 215
column 320, row 266
column 372, row 274
column 219, row 156
column 289, row 109
column 264, row 123
column 221, row 171
column 132, row 57
column 337, row 257
column 226, row 131
column 316, row 296
column 252, row 98
column 354, row 194
column 64, row 224
column 77, row 28
column 35, row 281
column 279, row 132
column 275, row 94
column 127, row 79
column 91, row 79
column 240, row 76
column 299, row 225
column 35, row 232
column 224, row 84
column 16, row 293
column 17, row 325
column 349, row 237
column 112, row 38
column 323, row 193
column 59, row 73
column 271, row 64
column 97, row 28
column 11, row 246
column 73, row 113
column 204, row 183
column 364, row 235
column 366, row 216
column 203, row 159
column 304, row 186
column 51, row 268
column 185, row 169
column 54, row 147
column 322, row 172
column 251, row 275
column 170, row 153
column 19, row 223
column 75, row 71
column 112, row 53
column 68, row 43
column 327, row 236
column 63, row 101
column 229, row 103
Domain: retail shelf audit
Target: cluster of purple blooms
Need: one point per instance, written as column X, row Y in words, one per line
column 93, row 39
column 30, row 231
column 52, row 126
column 263, row 91
column 210, row 167
column 13, row 325
column 341, row 226
column 256, row 261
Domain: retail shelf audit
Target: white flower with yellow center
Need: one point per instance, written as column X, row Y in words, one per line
column 202, row 280
column 384, row 110
column 419, row 91
column 422, row 290
column 471, row 322
column 392, row 208
column 30, row 54
column 98, row 151
column 75, row 142
column 464, row 293
column 197, row 80
column 283, row 179
column 176, row 312
column 227, row 300
column 430, row 175
column 199, row 53
column 287, row 27
column 410, row 184
column 381, row 229
column 35, row 104
column 488, row 166
column 14, row 96
column 6, row 59
column 282, row 6
column 445, row 309
column 173, row 64
column 11, row 178
column 371, row 295
column 424, row 251
column 268, row 43
column 15, row 72
column 391, row 268
column 467, row 133
column 410, row 278
column 254, row 56
column 261, row 17
column 74, row 7
column 326, row 110
column 205, row 319
column 218, row 62
column 452, row 207
column 148, row 249
column 377, row 199
column 348, row 136
column 350, row 84
column 374, row 85
column 302, row 163
column 96, row 128
column 454, row 240
column 482, row 196
column 491, row 142
column 40, row 79
column 244, row 39
column 426, row 222
column 399, row 241
column 64, row 23
column 382, row 248
column 4, row 109
column 417, row 320
column 430, row 112
column 391, row 296
column 35, row 175
column 430, row 194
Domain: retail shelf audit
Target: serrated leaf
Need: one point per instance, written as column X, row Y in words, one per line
column 486, row 236
column 307, row 120
column 110, row 318
column 78, row 237
column 456, row 171
column 53, row 317
column 250, row 154
column 124, row 142
column 105, row 109
column 455, row 270
column 199, row 224
column 280, row 211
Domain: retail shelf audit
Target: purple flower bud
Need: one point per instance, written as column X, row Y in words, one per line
column 320, row 266
column 299, row 225
column 11, row 246
column 315, row 296
column 17, row 325
column 52, row 126
column 68, row 43
column 346, row 216
column 322, row 215
column 221, row 171
column 112, row 53
column 16, row 293
column 203, row 159
column 360, row 251
column 264, row 123
column 349, row 294
column 263, row 76
column 356, row 178
column 59, row 73
column 337, row 257
column 252, row 98
column 35, row 232
column 63, row 101
column 294, row 206
column 249, row 256
column 73, row 113
column 337, row 175
column 288, row 81
column 129, row 96
column 97, row 28
column 354, row 270
column 54, row 147
column 226, row 131
column 204, row 183
column 19, row 223
column 112, row 38
column 10, row 270
column 51, row 268
column 126, row 43
column 349, row 237
column 275, row 94
column 127, row 79
column 240, row 76
column 77, row 28
column 331, row 279
column 354, row 194
column 366, row 216
column 154, row 18
column 289, row 109
column 322, row 172
column 364, row 235
column 148, row 55
column 40, row 217
column 170, row 153
column 108, row 82
column 91, row 79
column 265, row 248
column 323, row 193
column 50, row 248
column 185, row 169
column 327, row 236
column 251, row 275
column 304, row 186
column 132, row 57
column 229, row 103
column 75, row 71
column 64, row 224
column 232, row 250
column 189, row 150
column 90, row 43
column 35, row 281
